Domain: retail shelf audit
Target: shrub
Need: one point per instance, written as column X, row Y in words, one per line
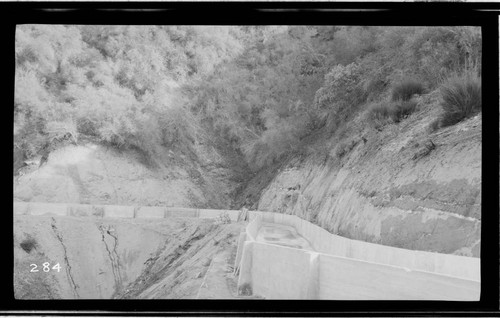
column 374, row 88
column 383, row 112
column 461, row 98
column 403, row 109
column 405, row 90
column 86, row 127
column 380, row 111
column 223, row 218
column 437, row 51
column 274, row 144
column 31, row 134
column 342, row 89
column 28, row 244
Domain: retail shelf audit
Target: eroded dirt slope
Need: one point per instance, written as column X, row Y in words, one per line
column 91, row 173
column 116, row 258
column 401, row 186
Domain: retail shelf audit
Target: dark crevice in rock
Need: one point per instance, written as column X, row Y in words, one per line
column 74, row 286
column 113, row 256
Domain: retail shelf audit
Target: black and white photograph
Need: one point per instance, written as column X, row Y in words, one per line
column 247, row 162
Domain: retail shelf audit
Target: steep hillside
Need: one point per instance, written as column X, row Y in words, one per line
column 402, row 186
column 92, row 173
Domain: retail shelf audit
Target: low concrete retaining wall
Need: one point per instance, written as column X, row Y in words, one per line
column 253, row 228
column 44, row 208
column 147, row 212
column 233, row 215
column 342, row 268
column 280, row 273
column 277, row 272
column 331, row 244
column 249, row 235
column 351, row 279
column 118, row 211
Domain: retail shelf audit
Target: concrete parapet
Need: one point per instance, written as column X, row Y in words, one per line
column 98, row 210
column 381, row 254
column 150, row 212
column 80, row 210
column 447, row 264
column 38, row 208
column 181, row 212
column 245, row 282
column 351, row 279
column 328, row 243
column 253, row 228
column 305, row 229
column 253, row 214
column 280, row 272
column 241, row 241
column 211, row 214
column 278, row 218
column 313, row 277
column 290, row 220
column 233, row 214
column 118, row 211
column 277, row 272
column 21, row 208
column 268, row 217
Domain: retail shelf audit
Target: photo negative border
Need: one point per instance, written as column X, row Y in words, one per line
column 484, row 15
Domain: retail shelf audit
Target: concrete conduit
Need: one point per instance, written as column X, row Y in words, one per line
column 341, row 268
column 338, row 268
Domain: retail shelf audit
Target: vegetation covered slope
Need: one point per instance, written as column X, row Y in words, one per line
column 262, row 89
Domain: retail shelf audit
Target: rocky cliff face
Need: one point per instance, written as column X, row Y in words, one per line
column 402, row 186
